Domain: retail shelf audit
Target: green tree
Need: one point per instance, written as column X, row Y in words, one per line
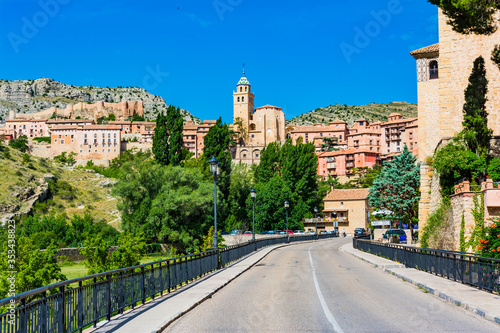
column 130, row 250
column 161, row 146
column 330, row 144
column 137, row 117
column 242, row 130
column 475, row 131
column 494, row 169
column 175, row 126
column 96, row 250
column 239, row 190
column 470, row 17
column 111, row 117
column 20, row 143
column 495, row 55
column 34, row 268
column 169, row 204
column 290, row 169
column 397, row 187
column 218, row 142
column 454, row 162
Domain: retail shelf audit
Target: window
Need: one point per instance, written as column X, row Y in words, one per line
column 238, row 99
column 433, row 70
column 256, row 155
column 243, row 98
column 371, row 142
column 241, row 89
column 246, row 89
column 244, row 155
column 378, row 143
column 320, row 134
column 340, row 137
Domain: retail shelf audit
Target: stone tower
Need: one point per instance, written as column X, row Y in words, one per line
column 243, row 101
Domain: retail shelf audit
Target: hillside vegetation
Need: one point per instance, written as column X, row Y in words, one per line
column 351, row 113
column 44, row 187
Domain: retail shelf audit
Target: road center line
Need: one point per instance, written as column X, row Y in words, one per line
column 327, row 312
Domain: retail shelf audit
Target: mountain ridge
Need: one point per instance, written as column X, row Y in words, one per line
column 30, row 96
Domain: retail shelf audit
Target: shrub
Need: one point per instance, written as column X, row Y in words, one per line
column 26, row 158
column 490, row 245
column 45, row 139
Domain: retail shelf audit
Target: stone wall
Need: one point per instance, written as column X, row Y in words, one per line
column 462, row 203
column 73, row 254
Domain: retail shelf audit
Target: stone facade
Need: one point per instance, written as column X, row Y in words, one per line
column 441, row 99
column 122, row 110
column 259, row 126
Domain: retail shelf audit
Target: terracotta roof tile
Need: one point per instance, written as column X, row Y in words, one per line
column 428, row 50
column 352, row 194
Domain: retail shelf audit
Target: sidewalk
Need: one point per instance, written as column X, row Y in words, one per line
column 157, row 314
column 474, row 300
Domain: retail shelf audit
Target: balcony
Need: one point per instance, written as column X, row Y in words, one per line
column 331, row 165
column 349, row 165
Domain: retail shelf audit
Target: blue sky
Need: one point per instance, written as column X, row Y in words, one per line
column 299, row 55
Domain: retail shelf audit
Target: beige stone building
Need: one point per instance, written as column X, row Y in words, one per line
column 256, row 127
column 351, row 207
column 443, row 70
column 316, row 133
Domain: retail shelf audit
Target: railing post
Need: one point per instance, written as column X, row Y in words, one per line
column 63, row 308
column 23, row 320
column 80, row 305
column 169, row 281
column 143, row 286
column 161, row 279
column 109, row 307
column 153, row 281
column 121, row 300
column 94, row 299
column 44, row 312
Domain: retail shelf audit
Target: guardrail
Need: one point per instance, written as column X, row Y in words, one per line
column 482, row 273
column 76, row 304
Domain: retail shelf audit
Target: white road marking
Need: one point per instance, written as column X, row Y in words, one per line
column 327, row 312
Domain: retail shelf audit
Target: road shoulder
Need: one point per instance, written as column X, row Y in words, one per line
column 480, row 302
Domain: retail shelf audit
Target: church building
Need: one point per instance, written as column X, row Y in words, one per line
column 255, row 127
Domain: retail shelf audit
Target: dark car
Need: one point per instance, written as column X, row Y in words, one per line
column 400, row 232
column 359, row 232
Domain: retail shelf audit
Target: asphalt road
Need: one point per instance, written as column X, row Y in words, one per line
column 314, row 287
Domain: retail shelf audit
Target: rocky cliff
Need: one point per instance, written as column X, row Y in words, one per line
column 29, row 96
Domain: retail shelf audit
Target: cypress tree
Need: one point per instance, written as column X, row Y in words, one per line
column 175, row 126
column 160, row 140
column 475, row 131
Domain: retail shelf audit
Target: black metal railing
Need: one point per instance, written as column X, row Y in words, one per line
column 76, row 304
column 467, row 268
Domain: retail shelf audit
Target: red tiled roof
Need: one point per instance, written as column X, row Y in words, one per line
column 428, row 50
column 352, row 194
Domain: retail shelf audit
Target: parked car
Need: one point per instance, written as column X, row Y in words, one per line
column 290, row 232
column 298, row 232
column 263, row 233
column 400, row 232
column 323, row 232
column 334, row 232
column 247, row 233
column 311, row 232
column 236, row 232
column 359, row 232
column 224, row 233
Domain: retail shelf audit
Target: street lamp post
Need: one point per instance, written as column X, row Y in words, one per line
column 287, row 204
column 253, row 193
column 316, row 214
column 215, row 170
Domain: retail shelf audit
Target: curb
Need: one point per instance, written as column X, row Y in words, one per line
column 441, row 295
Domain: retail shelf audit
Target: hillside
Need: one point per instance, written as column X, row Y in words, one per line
column 350, row 113
column 29, row 96
column 44, row 186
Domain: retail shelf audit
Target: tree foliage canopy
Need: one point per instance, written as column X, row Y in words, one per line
column 285, row 172
column 470, row 16
column 475, row 131
column 397, row 186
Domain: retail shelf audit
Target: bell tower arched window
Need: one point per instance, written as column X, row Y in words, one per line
column 433, row 70
column 243, row 98
column 238, row 99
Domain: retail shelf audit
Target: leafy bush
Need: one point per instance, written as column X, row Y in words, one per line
column 69, row 159
column 26, row 158
column 45, row 139
column 454, row 162
column 20, row 143
column 438, row 232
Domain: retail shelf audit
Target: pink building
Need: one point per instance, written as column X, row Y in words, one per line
column 317, row 132
column 364, row 136
column 342, row 163
column 95, row 142
column 145, row 129
column 32, row 128
column 397, row 132
column 194, row 136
